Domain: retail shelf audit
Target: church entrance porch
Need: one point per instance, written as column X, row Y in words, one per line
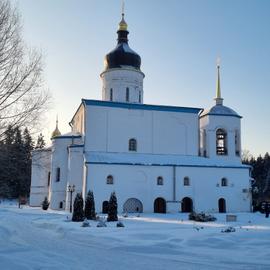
column 105, row 207
column 187, row 205
column 159, row 205
column 133, row 205
column 222, row 205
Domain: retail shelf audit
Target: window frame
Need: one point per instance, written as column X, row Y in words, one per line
column 109, row 180
column 224, row 182
column 49, row 179
column 221, row 142
column 132, row 145
column 127, row 94
column 186, row 181
column 160, row 181
column 58, row 174
column 111, row 94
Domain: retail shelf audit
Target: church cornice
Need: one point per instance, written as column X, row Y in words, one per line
column 136, row 106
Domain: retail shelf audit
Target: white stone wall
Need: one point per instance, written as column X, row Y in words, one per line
column 140, row 182
column 118, row 80
column 109, row 129
column 75, row 173
column 41, row 165
column 78, row 121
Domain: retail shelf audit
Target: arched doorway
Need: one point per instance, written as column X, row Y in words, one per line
column 159, row 205
column 105, row 207
column 133, row 205
column 222, row 205
column 187, row 205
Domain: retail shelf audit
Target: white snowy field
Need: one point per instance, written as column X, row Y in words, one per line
column 34, row 239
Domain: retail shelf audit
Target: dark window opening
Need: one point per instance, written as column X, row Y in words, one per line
column 58, row 174
column 159, row 181
column 49, row 178
column 110, row 180
column 186, row 181
column 132, row 145
column 61, row 205
column 237, row 143
column 127, row 94
column 224, row 182
column 111, row 94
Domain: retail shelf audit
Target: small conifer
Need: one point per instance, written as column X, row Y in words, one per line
column 78, row 214
column 112, row 208
column 45, row 204
column 89, row 209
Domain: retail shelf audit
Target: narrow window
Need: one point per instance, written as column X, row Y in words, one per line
column 159, row 181
column 49, row 178
column 61, row 205
column 109, row 180
column 237, row 143
column 58, row 174
column 224, row 182
column 186, row 181
column 111, row 94
column 221, row 142
column 132, row 146
column 140, row 97
column 204, row 143
column 127, row 94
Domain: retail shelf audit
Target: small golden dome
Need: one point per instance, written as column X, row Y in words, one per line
column 56, row 132
column 122, row 25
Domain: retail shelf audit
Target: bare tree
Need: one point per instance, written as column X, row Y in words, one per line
column 23, row 99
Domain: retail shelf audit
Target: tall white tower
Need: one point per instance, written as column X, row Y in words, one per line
column 220, row 130
column 122, row 78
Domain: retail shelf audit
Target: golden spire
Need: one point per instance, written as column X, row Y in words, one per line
column 123, row 25
column 56, row 132
column 218, row 98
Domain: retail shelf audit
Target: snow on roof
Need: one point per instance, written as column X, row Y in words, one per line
column 68, row 135
column 220, row 110
column 158, row 160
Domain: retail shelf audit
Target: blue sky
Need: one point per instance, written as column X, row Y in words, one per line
column 178, row 42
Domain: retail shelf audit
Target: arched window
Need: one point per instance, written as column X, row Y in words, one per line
column 186, row 181
column 49, row 178
column 224, row 182
column 140, row 97
column 109, row 180
column 160, row 181
column 237, row 143
column 221, row 142
column 127, row 94
column 111, row 94
column 132, row 145
column 61, row 205
column 58, row 173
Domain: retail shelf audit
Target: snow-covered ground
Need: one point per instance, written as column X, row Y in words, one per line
column 34, row 239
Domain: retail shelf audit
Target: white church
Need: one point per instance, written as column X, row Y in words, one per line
column 156, row 158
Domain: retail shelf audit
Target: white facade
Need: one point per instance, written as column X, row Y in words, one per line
column 156, row 158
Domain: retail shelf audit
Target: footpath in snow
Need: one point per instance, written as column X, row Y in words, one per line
column 34, row 239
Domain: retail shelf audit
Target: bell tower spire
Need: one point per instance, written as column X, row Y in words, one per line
column 218, row 98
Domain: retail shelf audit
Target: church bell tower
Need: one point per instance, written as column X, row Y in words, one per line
column 122, row 78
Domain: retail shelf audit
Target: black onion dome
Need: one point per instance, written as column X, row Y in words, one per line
column 122, row 55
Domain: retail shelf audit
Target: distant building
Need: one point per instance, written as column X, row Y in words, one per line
column 156, row 158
